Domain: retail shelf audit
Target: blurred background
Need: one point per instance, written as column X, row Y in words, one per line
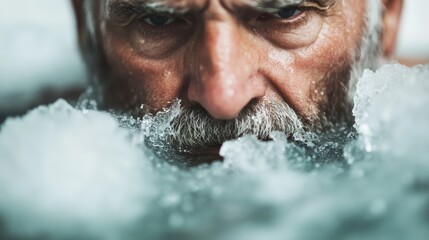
column 40, row 61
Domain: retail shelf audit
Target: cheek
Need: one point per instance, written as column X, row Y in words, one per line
column 139, row 80
column 296, row 74
column 301, row 37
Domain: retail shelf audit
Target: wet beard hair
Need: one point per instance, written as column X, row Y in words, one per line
column 195, row 128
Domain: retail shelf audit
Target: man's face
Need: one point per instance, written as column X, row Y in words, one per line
column 224, row 57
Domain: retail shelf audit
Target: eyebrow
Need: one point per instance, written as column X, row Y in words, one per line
column 275, row 5
column 139, row 7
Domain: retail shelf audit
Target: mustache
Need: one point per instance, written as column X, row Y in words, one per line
column 194, row 127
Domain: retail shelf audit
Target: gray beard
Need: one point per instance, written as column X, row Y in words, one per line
column 194, row 127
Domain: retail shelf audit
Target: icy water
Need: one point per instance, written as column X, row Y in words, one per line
column 67, row 173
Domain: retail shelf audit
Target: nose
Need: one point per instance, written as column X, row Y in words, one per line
column 225, row 79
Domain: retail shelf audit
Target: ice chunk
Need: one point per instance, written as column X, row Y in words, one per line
column 262, row 190
column 250, row 154
column 391, row 111
column 64, row 172
column 386, row 79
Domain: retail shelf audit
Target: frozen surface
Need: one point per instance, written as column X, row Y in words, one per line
column 65, row 172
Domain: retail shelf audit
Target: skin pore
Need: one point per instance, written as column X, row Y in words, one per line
column 238, row 66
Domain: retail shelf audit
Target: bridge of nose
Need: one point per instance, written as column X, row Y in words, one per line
column 224, row 80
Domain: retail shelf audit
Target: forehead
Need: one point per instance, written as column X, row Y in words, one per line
column 184, row 5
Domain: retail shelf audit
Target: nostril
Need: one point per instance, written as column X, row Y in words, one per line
column 254, row 101
column 225, row 98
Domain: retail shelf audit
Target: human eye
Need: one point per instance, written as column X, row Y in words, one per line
column 159, row 20
column 158, row 34
column 290, row 27
column 289, row 12
column 146, row 20
column 149, row 31
column 162, row 28
column 162, row 22
column 285, row 16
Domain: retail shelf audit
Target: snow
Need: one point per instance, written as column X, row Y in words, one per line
column 67, row 172
column 64, row 171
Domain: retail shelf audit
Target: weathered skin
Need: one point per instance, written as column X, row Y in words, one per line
column 224, row 54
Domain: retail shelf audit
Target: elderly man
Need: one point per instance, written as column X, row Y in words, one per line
column 238, row 66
